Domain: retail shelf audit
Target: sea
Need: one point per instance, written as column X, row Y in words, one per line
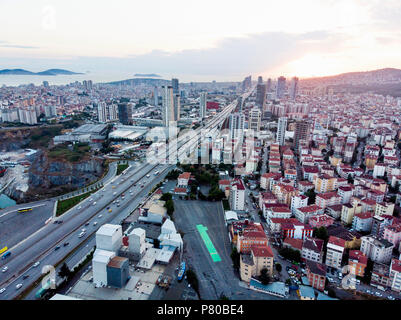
column 5, row 201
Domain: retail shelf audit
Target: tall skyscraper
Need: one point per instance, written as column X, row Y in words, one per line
column 107, row 112
column 239, row 104
column 260, row 80
column 254, row 119
column 247, row 83
column 236, row 125
column 280, row 90
column 301, row 132
column 260, row 95
column 175, row 85
column 294, row 88
column 167, row 105
column 203, row 104
column 155, row 96
column 125, row 113
column 269, row 85
column 177, row 107
column 281, row 128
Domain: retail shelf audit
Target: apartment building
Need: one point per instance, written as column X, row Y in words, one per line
column 312, row 250
column 323, row 200
column 357, row 262
column 335, row 251
column 378, row 250
column 251, row 264
column 392, row 233
column 316, row 274
column 237, row 195
column 395, row 275
column 303, row 214
column 325, row 183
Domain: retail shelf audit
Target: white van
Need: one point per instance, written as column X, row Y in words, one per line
column 81, row 235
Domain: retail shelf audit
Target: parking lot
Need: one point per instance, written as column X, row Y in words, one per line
column 215, row 277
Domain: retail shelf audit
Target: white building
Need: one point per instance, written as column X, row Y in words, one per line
column 281, row 129
column 254, row 119
column 335, row 251
column 298, row 201
column 99, row 266
column 378, row 250
column 109, row 237
column 167, row 105
column 237, row 195
column 136, row 242
column 379, row 170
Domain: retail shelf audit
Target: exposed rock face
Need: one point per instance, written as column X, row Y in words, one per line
column 46, row 173
column 11, row 140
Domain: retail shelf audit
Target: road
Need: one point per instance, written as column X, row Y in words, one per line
column 53, row 243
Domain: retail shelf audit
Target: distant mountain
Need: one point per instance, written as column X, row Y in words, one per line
column 50, row 72
column 380, row 76
column 147, row 75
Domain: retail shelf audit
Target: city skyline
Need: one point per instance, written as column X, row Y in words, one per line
column 311, row 39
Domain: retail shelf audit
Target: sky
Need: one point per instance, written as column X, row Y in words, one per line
column 201, row 40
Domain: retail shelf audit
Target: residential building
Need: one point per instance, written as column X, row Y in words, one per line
column 357, row 262
column 378, row 250
column 312, row 249
column 237, row 195
column 335, row 251
column 316, row 274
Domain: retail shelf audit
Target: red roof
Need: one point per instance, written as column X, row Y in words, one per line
column 185, row 175
column 310, row 208
column 358, row 255
column 396, row 265
column 262, row 251
column 337, row 241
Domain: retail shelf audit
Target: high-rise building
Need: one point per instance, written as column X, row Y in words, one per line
column 107, row 112
column 281, row 128
column 46, row 84
column 155, row 96
column 203, row 104
column 301, row 132
column 236, row 125
column 50, row 111
column 175, row 85
column 239, row 104
column 269, row 85
column 27, row 116
column 167, row 105
column 260, row 80
column 177, row 107
column 247, row 83
column 280, row 89
column 260, row 95
column 294, row 88
column 125, row 113
column 254, row 119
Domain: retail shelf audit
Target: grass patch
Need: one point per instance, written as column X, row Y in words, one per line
column 121, row 167
column 74, row 154
column 65, row 205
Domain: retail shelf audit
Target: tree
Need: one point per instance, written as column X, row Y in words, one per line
column 169, row 205
column 278, row 267
column 321, row 233
column 235, row 257
column 166, row 196
column 311, row 194
column 350, row 179
column 64, row 272
column 264, row 276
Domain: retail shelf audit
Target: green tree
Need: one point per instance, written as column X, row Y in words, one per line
column 321, row 233
column 278, row 267
column 235, row 257
column 311, row 194
column 64, row 272
column 264, row 276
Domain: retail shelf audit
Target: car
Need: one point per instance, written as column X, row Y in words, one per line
column 83, row 230
column 95, row 223
column 94, row 203
column 100, row 215
column 87, row 224
column 66, row 244
column 390, row 298
column 90, row 200
column 19, row 285
column 79, row 208
column 4, row 269
column 114, row 193
column 56, row 248
column 2, row 290
column 118, row 204
column 378, row 294
column 25, row 277
column 36, row 264
column 60, row 221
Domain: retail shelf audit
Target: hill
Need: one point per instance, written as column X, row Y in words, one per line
column 49, row 72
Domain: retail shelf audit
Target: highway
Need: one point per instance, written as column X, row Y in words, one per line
column 53, row 243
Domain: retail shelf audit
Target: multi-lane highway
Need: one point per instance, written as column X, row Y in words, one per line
column 52, row 244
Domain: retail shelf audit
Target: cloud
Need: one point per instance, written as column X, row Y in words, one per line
column 231, row 57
